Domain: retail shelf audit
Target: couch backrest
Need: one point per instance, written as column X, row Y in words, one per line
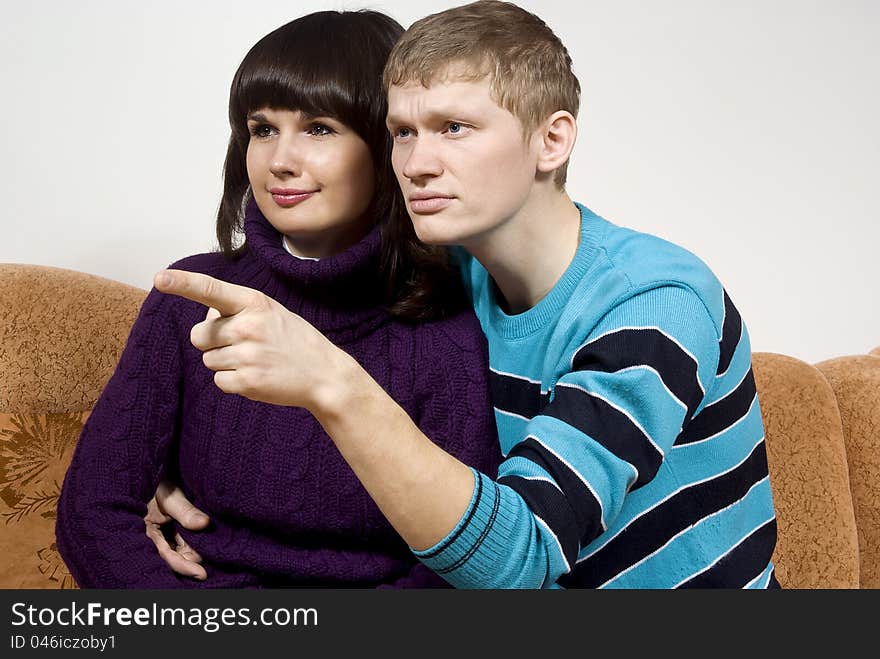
column 62, row 332
column 61, row 335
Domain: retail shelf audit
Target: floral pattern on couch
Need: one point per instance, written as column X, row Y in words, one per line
column 35, row 451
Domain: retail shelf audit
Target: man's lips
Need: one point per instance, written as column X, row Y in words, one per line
column 290, row 197
column 428, row 202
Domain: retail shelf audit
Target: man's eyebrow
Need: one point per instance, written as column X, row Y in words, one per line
column 392, row 120
column 434, row 115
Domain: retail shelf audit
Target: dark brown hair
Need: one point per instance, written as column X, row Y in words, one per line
column 330, row 64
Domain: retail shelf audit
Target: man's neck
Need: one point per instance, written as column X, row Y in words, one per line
column 529, row 253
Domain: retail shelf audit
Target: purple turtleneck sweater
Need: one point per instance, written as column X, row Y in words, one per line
column 286, row 510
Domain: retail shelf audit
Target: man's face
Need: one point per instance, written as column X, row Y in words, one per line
column 460, row 159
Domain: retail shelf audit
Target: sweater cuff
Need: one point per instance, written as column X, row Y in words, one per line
column 468, row 557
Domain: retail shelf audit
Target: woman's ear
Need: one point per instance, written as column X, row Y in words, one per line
column 558, row 134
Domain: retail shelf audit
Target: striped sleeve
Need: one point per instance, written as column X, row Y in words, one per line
column 629, row 388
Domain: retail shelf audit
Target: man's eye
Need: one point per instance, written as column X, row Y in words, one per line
column 402, row 133
column 454, row 127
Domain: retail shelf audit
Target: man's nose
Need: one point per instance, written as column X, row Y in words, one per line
column 422, row 159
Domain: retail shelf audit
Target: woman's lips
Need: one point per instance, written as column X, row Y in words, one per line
column 288, row 199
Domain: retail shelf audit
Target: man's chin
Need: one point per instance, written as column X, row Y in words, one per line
column 426, row 229
column 437, row 240
column 441, row 234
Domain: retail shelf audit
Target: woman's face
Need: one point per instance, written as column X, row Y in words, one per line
column 312, row 178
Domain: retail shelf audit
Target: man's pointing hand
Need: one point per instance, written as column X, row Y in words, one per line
column 255, row 346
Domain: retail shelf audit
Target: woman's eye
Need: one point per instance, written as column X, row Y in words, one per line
column 261, row 130
column 320, row 129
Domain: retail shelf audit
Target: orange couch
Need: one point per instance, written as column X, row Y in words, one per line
column 61, row 334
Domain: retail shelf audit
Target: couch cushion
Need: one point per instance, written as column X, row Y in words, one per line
column 35, row 451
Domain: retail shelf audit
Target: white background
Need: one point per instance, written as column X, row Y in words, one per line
column 746, row 132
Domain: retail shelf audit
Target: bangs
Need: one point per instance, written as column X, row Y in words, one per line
column 314, row 69
column 283, row 87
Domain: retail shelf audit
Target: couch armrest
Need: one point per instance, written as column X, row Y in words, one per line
column 817, row 545
column 855, row 380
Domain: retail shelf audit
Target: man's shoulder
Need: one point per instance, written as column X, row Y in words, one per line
column 646, row 258
column 648, row 261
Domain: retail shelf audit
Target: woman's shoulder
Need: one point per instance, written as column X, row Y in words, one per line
column 458, row 335
column 214, row 264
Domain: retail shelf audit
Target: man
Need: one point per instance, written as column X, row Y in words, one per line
column 622, row 382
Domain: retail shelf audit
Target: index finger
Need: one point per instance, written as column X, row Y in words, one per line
column 228, row 299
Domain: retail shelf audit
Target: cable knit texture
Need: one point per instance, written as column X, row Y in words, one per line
column 286, row 509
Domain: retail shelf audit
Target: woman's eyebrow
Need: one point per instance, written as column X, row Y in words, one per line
column 256, row 116
column 308, row 116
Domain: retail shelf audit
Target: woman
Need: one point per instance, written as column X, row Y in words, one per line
column 311, row 216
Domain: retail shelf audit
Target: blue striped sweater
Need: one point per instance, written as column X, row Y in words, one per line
column 629, row 420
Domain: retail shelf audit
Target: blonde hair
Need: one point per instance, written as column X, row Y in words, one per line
column 529, row 68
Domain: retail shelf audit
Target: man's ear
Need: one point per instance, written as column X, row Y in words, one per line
column 558, row 134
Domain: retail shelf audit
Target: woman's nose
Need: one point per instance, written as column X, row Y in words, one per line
column 285, row 161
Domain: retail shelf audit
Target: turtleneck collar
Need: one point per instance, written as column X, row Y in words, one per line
column 341, row 294
column 361, row 259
